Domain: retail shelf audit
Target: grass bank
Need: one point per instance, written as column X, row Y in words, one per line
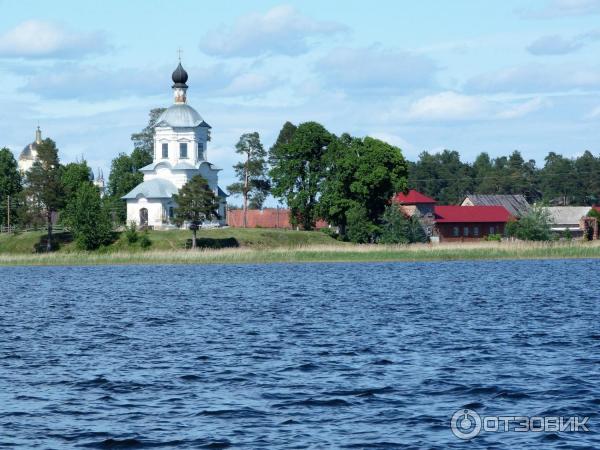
column 317, row 253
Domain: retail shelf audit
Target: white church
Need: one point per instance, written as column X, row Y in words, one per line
column 180, row 153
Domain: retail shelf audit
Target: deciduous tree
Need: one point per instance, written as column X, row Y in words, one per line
column 196, row 204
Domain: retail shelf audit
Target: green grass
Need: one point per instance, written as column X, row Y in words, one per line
column 255, row 238
column 315, row 253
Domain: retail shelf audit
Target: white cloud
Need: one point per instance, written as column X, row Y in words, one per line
column 448, row 106
column 281, row 30
column 42, row 39
column 249, row 83
column 594, row 113
column 525, row 108
column 377, row 69
column 554, row 45
column 536, row 78
column 561, row 8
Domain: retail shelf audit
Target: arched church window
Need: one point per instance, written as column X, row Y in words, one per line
column 183, row 150
column 200, row 150
column 165, row 151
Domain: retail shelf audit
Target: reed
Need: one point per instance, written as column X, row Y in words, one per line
column 319, row 253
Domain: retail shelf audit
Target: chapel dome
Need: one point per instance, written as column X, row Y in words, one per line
column 180, row 115
column 30, row 151
column 179, row 76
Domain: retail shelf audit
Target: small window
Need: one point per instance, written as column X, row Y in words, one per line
column 165, row 151
column 171, row 212
column 475, row 231
column 200, row 150
column 465, row 231
column 183, row 150
column 455, row 231
column 492, row 230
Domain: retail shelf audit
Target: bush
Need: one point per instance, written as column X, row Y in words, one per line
column 534, row 226
column 145, row 241
column 360, row 229
column 330, row 232
column 493, row 237
column 396, row 228
column 131, row 233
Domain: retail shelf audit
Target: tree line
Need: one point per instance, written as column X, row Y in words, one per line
column 560, row 181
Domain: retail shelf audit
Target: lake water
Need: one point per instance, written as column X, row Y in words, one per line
column 296, row 356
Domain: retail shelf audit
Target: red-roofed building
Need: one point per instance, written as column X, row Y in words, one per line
column 414, row 201
column 466, row 223
column 596, row 208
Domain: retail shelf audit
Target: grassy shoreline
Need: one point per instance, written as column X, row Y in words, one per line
column 316, row 253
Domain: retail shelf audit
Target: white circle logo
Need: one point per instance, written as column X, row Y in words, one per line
column 465, row 424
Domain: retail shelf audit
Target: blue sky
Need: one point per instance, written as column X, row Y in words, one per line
column 465, row 75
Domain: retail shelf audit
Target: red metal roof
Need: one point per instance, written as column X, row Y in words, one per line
column 465, row 214
column 412, row 198
column 597, row 208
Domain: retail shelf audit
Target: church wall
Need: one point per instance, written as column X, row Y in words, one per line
column 172, row 137
column 155, row 211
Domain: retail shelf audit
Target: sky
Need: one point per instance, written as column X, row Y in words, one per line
column 471, row 76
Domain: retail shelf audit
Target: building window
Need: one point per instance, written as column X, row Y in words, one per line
column 171, row 212
column 492, row 230
column 200, row 150
column 475, row 231
column 183, row 150
column 465, row 231
column 455, row 231
column 165, row 151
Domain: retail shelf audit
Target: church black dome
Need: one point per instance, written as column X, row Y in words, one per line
column 179, row 77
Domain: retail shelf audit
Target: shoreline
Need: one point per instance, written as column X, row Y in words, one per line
column 317, row 254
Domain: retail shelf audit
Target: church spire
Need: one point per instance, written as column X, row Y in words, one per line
column 179, row 78
column 38, row 135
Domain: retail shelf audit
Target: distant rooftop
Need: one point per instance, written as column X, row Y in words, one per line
column 413, row 197
column 516, row 204
column 473, row 214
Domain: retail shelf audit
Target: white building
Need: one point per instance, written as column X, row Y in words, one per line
column 180, row 153
column 29, row 154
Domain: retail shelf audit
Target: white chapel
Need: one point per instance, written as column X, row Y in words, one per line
column 180, row 153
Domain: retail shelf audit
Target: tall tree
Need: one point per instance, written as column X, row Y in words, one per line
column 88, row 218
column 10, row 186
column 196, row 204
column 44, row 183
column 73, row 176
column 144, row 140
column 363, row 173
column 254, row 184
column 298, row 169
column 558, row 179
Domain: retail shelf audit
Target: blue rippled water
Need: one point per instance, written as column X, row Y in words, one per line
column 296, row 356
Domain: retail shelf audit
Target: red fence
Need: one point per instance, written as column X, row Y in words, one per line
column 264, row 218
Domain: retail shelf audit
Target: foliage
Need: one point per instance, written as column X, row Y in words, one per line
column 534, row 226
column 196, row 203
column 44, row 183
column 493, row 238
column 561, row 181
column 360, row 229
column 364, row 172
column 298, row 169
column 145, row 241
column 10, row 185
column 88, row 219
column 131, row 233
column 594, row 213
column 73, row 176
column 254, row 184
column 143, row 141
column 124, row 171
column 396, row 228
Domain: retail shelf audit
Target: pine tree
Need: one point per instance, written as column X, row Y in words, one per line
column 44, row 183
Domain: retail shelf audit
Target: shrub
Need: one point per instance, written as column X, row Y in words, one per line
column 360, row 229
column 131, row 233
column 145, row 241
column 493, row 237
column 396, row 228
column 536, row 225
